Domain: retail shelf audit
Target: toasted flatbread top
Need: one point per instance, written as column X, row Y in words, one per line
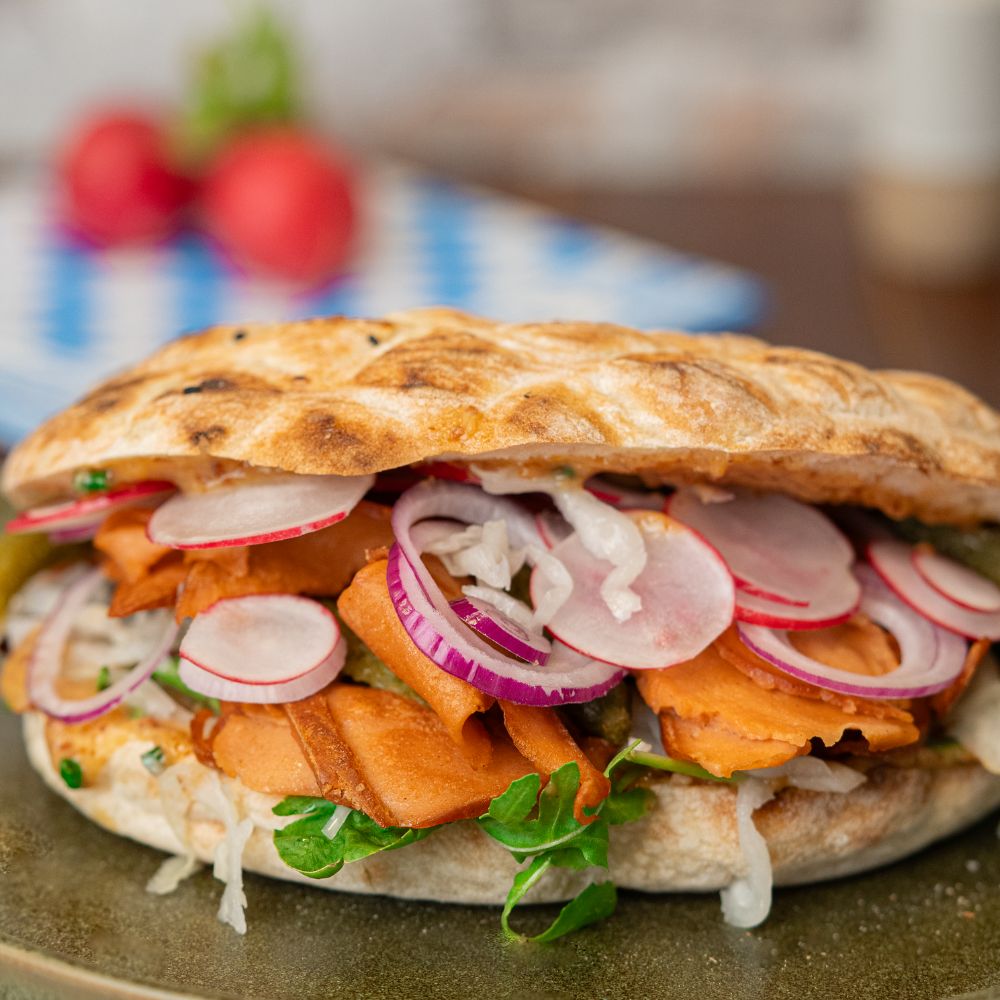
column 352, row 396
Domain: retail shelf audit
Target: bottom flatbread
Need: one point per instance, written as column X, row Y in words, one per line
column 688, row 841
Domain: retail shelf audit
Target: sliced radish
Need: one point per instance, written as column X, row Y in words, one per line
column 213, row 686
column 686, row 590
column 754, row 591
column 893, row 561
column 624, row 498
column 961, row 585
column 783, row 549
column 552, row 528
column 79, row 516
column 268, row 510
column 261, row 639
column 828, row 608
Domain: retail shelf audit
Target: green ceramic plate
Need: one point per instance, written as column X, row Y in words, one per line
column 76, row 922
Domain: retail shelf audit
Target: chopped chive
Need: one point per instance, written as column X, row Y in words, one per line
column 91, row 481
column 71, row 772
column 135, row 712
column 154, row 760
column 565, row 471
column 103, row 679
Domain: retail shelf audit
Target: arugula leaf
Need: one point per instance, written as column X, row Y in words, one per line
column 594, row 903
column 554, row 826
column 304, row 846
column 167, row 675
column 539, row 824
column 660, row 763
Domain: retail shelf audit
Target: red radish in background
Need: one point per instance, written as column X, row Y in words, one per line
column 281, row 203
column 118, row 184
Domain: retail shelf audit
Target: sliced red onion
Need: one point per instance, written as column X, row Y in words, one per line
column 961, row 585
column 624, row 498
column 491, row 623
column 930, row 657
column 70, row 536
column 687, row 599
column 893, row 561
column 213, row 686
column 268, row 510
column 46, row 661
column 552, row 528
column 438, row 633
column 261, row 639
column 780, row 551
column 87, row 512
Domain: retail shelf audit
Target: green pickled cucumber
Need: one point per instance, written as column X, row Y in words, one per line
column 977, row 548
column 609, row 717
column 20, row 557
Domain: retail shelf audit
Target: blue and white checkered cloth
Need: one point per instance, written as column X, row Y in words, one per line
column 69, row 315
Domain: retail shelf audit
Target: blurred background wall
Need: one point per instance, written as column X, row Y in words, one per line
column 624, row 93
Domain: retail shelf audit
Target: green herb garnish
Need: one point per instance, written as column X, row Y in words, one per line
column 91, row 481
column 71, row 772
column 539, row 824
column 564, row 472
column 103, row 679
column 660, row 763
column 167, row 675
column 304, row 846
column 154, row 760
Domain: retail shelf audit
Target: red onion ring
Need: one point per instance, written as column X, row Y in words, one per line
column 491, row 623
column 931, row 657
column 441, row 635
column 46, row 659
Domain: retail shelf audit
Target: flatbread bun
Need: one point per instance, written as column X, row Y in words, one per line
column 352, row 396
column 687, row 842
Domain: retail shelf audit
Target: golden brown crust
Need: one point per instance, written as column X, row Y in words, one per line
column 353, row 396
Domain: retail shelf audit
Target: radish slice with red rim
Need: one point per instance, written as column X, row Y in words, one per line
column 961, row 585
column 212, row 686
column 893, row 561
column 253, row 513
column 754, row 591
column 786, row 551
column 46, row 661
column 930, row 657
column 88, row 512
column 828, row 608
column 624, row 498
column 261, row 639
column 491, row 623
column 687, row 597
column 440, row 634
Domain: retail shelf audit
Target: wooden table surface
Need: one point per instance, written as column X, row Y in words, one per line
column 803, row 243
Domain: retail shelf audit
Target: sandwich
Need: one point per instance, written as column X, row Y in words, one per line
column 446, row 609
